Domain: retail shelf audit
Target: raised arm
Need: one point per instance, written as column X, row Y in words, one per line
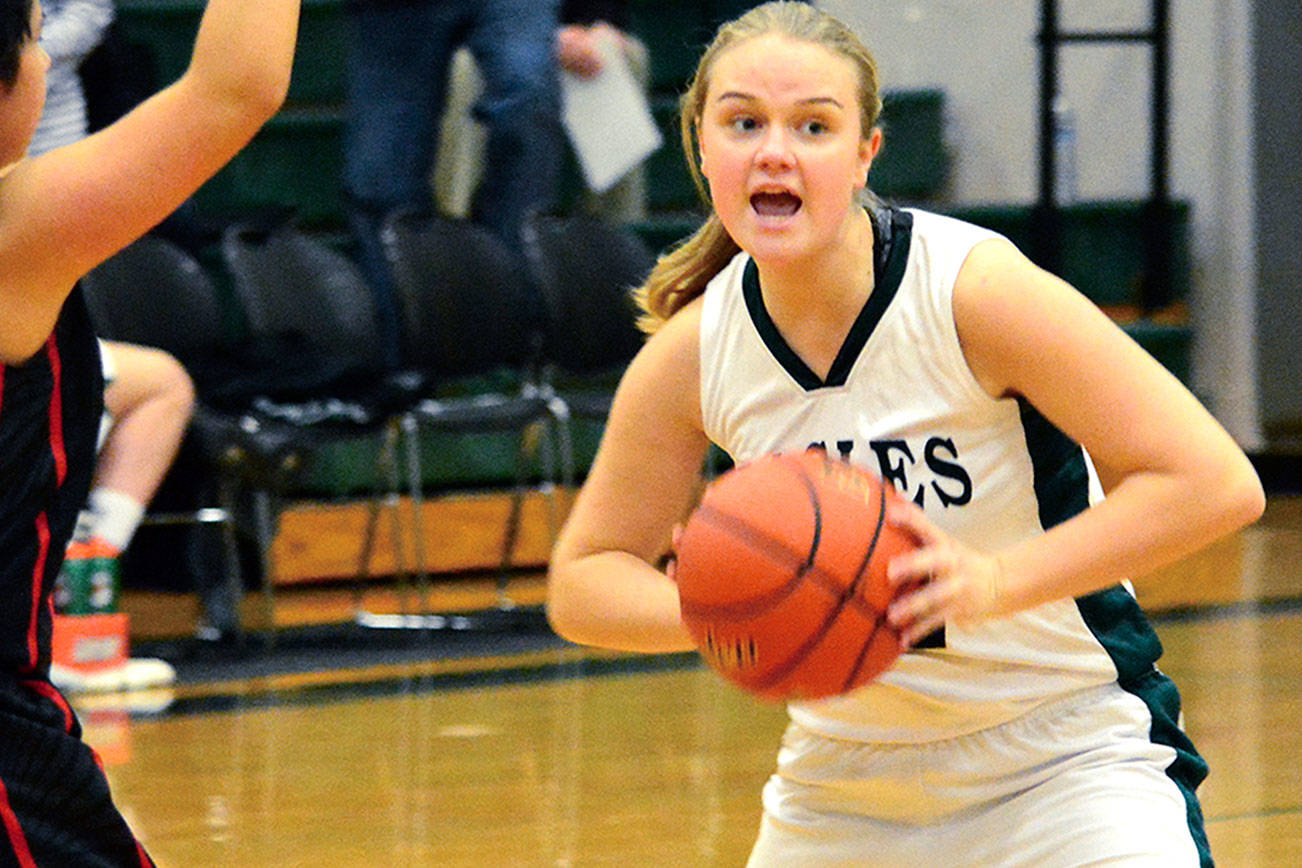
column 63, row 213
column 605, row 587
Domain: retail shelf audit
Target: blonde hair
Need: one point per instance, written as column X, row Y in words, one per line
column 681, row 274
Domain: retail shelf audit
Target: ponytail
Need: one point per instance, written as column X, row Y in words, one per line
column 681, row 274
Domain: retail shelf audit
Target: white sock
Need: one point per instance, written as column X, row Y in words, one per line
column 113, row 517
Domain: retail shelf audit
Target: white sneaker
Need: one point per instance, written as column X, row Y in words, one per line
column 138, row 673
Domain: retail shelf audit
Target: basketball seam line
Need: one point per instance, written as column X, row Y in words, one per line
column 757, row 539
column 881, row 616
column 844, row 597
column 817, row 507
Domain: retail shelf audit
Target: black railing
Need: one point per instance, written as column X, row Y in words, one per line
column 1156, row 290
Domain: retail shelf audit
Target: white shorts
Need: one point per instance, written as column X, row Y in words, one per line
column 1076, row 782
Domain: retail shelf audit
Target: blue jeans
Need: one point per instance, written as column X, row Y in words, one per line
column 397, row 82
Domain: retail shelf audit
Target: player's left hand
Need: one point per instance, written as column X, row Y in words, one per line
column 946, row 581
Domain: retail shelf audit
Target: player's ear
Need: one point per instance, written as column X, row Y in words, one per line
column 700, row 149
column 869, row 148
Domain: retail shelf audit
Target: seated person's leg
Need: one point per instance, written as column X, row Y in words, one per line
column 150, row 400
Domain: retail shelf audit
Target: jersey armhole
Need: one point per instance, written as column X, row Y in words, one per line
column 968, row 378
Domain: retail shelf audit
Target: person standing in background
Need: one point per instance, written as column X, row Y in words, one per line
column 587, row 25
column 397, row 73
column 586, row 28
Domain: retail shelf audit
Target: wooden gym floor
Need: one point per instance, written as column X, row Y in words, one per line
column 514, row 749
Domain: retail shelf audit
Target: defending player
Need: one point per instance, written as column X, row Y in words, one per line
column 1037, row 731
column 61, row 214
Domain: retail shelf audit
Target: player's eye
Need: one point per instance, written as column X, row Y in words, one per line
column 744, row 124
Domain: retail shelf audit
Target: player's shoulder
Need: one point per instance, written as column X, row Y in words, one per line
column 678, row 339
column 663, row 380
column 978, row 253
column 933, row 225
column 674, row 351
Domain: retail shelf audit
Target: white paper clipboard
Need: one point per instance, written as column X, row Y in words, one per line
column 607, row 119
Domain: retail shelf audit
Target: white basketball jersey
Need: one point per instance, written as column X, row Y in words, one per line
column 901, row 400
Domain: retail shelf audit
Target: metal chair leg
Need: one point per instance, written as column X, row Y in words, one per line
column 264, row 516
column 373, row 508
column 410, row 428
column 422, row 618
column 511, row 533
column 230, row 546
column 565, row 452
column 387, row 465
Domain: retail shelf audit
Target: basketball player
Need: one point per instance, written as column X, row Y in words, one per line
column 1034, row 728
column 61, row 214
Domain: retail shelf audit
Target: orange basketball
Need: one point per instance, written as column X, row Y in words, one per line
column 782, row 576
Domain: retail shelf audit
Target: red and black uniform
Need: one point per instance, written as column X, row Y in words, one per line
column 55, row 807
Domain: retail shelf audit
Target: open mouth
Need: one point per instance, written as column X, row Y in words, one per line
column 775, row 204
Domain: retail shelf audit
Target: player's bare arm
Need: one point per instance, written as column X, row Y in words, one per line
column 63, row 213
column 1176, row 479
column 605, row 588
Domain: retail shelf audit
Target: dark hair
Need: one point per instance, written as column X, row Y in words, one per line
column 15, row 30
